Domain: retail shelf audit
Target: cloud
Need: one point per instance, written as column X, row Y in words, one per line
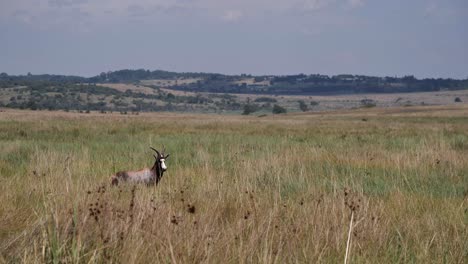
column 106, row 12
column 324, row 6
column 316, row 4
column 65, row 3
column 232, row 15
column 356, row 3
column 443, row 12
column 23, row 16
column 140, row 11
column 431, row 9
column 438, row 9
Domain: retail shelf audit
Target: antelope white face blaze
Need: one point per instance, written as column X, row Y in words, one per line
column 163, row 165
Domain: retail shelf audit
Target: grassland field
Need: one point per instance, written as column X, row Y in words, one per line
column 239, row 189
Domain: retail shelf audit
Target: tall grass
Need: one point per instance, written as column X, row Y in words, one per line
column 238, row 189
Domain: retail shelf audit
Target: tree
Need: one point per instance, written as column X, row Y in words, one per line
column 249, row 108
column 265, row 99
column 278, row 109
column 170, row 96
column 302, row 105
column 368, row 103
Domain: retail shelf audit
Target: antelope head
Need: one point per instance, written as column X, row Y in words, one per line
column 159, row 166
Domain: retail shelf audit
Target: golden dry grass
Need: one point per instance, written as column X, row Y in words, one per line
column 239, row 189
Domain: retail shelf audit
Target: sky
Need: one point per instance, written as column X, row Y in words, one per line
column 424, row 38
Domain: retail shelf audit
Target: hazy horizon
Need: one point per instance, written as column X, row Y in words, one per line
column 427, row 39
column 234, row 74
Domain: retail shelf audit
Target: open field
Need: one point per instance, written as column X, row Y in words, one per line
column 323, row 102
column 123, row 87
column 274, row 189
column 251, row 81
column 349, row 101
column 170, row 82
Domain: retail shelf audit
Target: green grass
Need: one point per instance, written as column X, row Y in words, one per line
column 267, row 189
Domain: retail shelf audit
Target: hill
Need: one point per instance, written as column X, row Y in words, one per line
column 144, row 90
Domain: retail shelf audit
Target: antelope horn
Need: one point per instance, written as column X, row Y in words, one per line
column 159, row 154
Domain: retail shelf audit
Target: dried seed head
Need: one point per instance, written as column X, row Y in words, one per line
column 346, row 191
column 191, row 209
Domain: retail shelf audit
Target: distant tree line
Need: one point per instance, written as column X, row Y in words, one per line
column 134, row 76
column 322, row 84
column 313, row 85
column 300, row 84
column 343, row 84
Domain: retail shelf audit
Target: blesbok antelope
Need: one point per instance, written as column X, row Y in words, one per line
column 146, row 175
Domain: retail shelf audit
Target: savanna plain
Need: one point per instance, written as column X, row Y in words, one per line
column 239, row 189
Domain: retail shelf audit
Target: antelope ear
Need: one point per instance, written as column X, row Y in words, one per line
column 167, row 156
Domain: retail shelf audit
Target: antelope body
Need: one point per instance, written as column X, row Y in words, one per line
column 148, row 176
